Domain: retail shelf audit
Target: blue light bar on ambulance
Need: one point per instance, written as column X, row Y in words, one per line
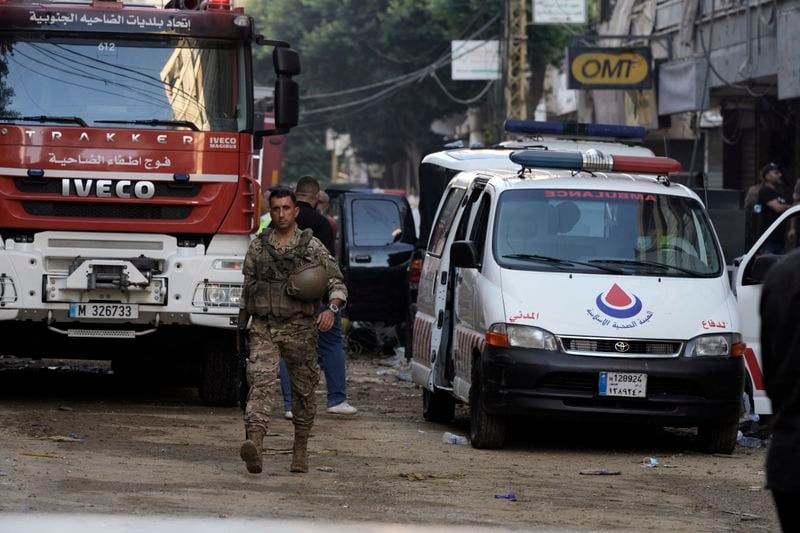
column 595, row 161
column 533, row 127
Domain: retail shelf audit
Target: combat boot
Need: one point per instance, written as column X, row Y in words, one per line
column 300, row 451
column 251, row 450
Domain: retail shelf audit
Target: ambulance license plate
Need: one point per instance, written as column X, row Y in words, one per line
column 625, row 384
column 112, row 311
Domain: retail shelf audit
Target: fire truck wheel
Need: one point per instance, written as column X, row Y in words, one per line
column 219, row 384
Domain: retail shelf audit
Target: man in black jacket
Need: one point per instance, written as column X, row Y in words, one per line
column 780, row 358
column 330, row 343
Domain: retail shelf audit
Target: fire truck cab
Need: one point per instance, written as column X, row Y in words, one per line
column 128, row 192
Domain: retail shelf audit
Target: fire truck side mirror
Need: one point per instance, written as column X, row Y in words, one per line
column 287, row 103
column 286, row 61
column 287, row 93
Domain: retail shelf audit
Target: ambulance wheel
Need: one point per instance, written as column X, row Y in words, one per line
column 438, row 406
column 718, row 438
column 486, row 431
column 219, row 383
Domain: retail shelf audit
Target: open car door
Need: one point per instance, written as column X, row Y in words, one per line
column 749, row 279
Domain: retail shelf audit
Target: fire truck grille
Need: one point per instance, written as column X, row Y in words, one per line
column 100, row 210
column 53, row 186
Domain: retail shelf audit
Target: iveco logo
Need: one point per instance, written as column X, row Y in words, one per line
column 108, row 188
column 622, row 346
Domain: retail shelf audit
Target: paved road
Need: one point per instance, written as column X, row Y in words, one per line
column 77, row 439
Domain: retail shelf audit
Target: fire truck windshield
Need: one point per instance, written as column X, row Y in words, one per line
column 164, row 83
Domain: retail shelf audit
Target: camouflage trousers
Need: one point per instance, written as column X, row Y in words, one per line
column 296, row 341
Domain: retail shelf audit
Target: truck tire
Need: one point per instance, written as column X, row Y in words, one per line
column 714, row 438
column 220, row 380
column 486, row 431
column 438, row 406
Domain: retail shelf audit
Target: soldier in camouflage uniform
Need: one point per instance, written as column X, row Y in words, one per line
column 286, row 273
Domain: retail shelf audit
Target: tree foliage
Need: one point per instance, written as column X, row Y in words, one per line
column 353, row 43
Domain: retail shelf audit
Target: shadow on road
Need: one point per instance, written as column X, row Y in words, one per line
column 548, row 434
column 45, row 380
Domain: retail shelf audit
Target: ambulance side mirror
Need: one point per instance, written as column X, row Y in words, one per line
column 463, row 254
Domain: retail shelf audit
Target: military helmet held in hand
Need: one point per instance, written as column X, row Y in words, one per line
column 308, row 283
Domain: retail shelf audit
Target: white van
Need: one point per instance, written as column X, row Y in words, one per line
column 585, row 286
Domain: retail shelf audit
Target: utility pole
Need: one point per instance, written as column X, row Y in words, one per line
column 516, row 90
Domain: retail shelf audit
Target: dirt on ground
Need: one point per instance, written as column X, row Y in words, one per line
column 76, row 438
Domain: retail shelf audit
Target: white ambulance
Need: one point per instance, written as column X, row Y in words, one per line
column 582, row 285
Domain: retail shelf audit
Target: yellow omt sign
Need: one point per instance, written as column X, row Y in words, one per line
column 610, row 68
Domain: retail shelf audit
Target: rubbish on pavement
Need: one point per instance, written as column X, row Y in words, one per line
column 600, row 472
column 743, row 516
column 415, row 476
column 276, row 451
column 452, row 438
column 65, row 408
column 3, row 474
column 510, row 497
column 326, row 469
column 328, row 452
column 748, row 442
column 62, row 438
column 46, row 455
column 650, row 462
column 422, row 476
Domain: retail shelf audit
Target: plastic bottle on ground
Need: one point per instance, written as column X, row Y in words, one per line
column 452, row 438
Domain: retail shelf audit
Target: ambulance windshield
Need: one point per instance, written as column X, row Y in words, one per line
column 148, row 82
column 605, row 231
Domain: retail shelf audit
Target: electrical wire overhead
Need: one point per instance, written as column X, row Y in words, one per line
column 398, row 83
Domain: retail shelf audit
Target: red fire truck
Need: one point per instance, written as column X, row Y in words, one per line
column 128, row 191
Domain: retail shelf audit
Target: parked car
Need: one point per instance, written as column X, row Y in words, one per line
column 374, row 243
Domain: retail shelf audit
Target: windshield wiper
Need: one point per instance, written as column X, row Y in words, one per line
column 153, row 122
column 45, row 118
column 654, row 264
column 561, row 262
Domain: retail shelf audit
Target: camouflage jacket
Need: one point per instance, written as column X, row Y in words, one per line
column 265, row 297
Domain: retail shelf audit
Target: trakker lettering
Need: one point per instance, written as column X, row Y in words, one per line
column 108, row 188
column 86, row 137
column 602, row 195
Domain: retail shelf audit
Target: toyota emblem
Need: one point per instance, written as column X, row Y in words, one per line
column 622, row 346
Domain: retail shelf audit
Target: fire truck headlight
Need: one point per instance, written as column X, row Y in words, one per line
column 235, row 295
column 215, row 295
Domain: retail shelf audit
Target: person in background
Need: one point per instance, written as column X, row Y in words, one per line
column 769, row 207
column 324, row 207
column 750, row 217
column 266, row 218
column 780, row 357
column 330, row 343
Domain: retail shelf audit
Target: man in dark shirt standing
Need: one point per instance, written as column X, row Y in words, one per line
column 769, row 207
column 330, row 343
column 780, row 358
